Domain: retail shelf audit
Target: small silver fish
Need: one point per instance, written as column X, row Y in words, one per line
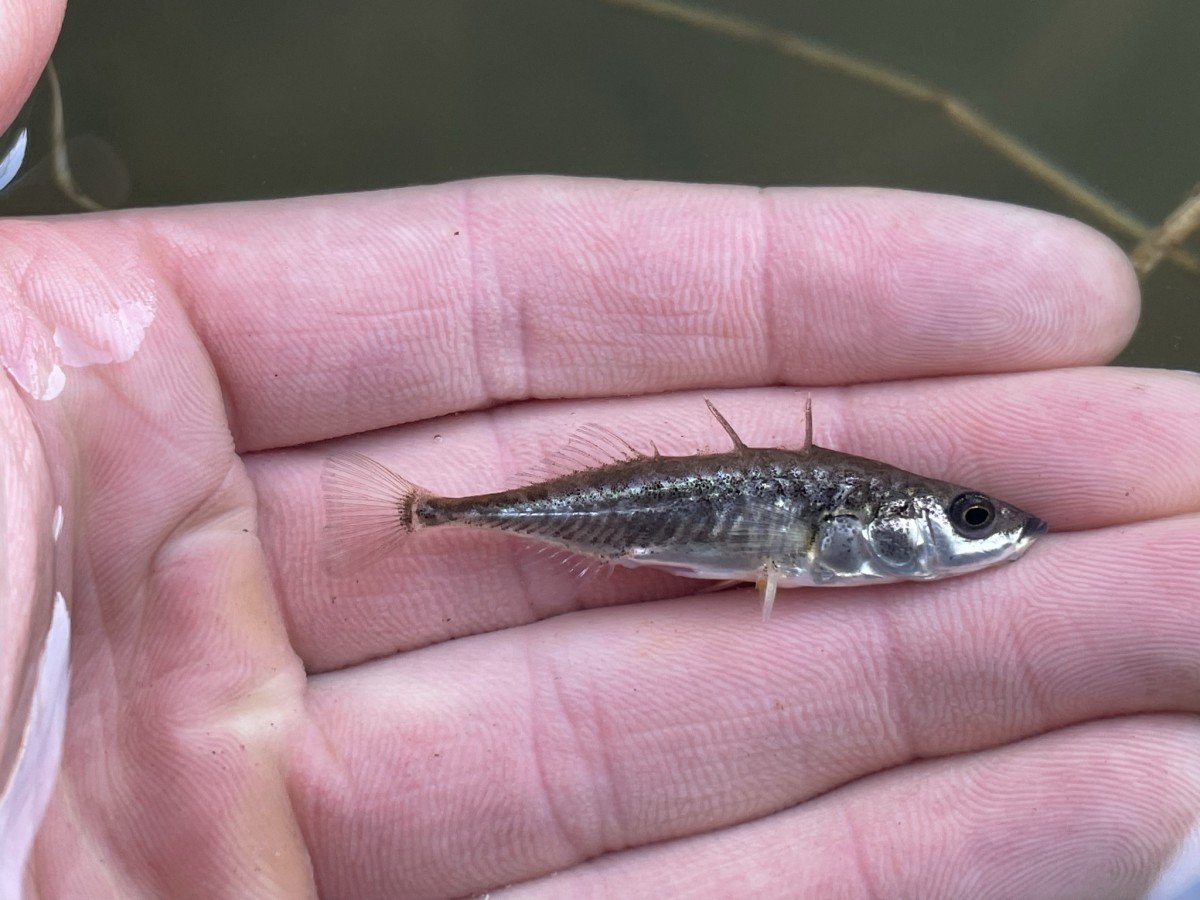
column 776, row 517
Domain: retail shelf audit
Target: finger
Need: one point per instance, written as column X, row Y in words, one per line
column 1082, row 449
column 173, row 620
column 497, row 758
column 30, row 28
column 338, row 315
column 27, row 532
column 1092, row 812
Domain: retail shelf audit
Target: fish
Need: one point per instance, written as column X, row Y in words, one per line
column 777, row 517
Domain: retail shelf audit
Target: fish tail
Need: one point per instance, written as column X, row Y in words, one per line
column 369, row 510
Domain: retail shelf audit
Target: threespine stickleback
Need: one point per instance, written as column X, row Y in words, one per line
column 776, row 517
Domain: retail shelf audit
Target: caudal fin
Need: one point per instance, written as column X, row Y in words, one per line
column 369, row 509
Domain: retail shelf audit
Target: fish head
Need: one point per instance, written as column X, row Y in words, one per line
column 943, row 530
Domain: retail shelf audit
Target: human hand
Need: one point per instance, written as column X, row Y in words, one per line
column 241, row 723
column 1001, row 734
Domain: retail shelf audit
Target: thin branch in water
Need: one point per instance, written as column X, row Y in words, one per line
column 58, row 147
column 1175, row 229
column 961, row 115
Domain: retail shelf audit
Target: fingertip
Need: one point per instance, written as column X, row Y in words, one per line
column 910, row 283
column 29, row 32
column 1100, row 280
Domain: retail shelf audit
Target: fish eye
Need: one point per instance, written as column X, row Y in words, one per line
column 973, row 515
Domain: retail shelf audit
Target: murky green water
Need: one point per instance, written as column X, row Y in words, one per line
column 231, row 100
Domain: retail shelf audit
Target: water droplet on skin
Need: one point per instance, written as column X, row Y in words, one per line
column 437, row 438
column 13, row 158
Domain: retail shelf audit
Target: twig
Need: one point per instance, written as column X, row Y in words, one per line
column 959, row 113
column 58, row 147
column 1175, row 229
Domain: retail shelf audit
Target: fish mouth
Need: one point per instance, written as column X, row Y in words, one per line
column 1030, row 532
column 1033, row 528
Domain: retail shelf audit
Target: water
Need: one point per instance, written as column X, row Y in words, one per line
column 226, row 100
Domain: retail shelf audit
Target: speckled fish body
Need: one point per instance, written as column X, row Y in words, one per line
column 776, row 517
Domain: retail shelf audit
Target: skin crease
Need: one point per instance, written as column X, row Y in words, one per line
column 458, row 719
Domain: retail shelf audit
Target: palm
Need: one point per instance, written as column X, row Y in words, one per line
column 175, row 629
column 201, row 760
